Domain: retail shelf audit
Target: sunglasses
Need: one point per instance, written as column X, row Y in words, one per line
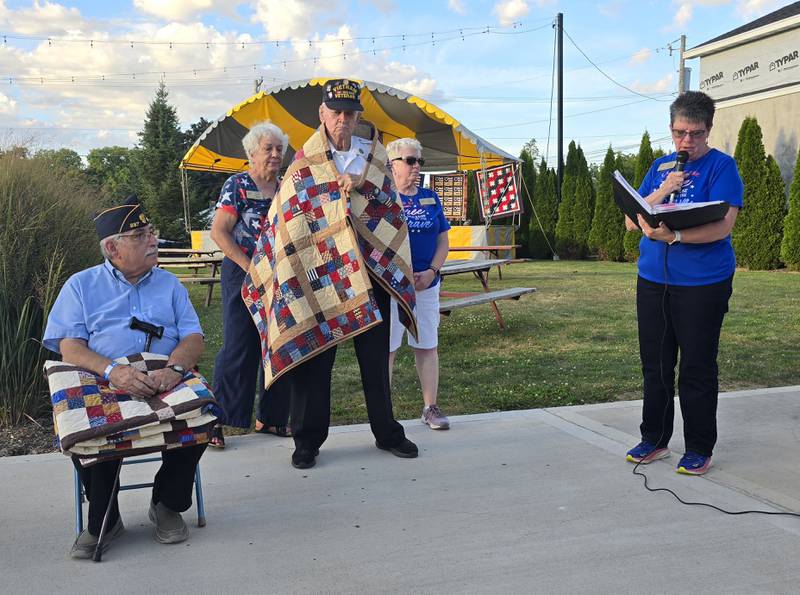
column 411, row 160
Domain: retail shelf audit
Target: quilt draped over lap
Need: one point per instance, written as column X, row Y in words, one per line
column 97, row 421
column 309, row 286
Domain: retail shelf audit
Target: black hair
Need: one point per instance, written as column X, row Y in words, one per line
column 694, row 106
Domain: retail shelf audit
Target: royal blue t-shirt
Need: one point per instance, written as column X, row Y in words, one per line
column 712, row 177
column 426, row 221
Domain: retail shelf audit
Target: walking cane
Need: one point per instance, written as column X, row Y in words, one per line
column 98, row 552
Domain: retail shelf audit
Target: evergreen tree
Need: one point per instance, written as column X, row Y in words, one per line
column 752, row 162
column 790, row 246
column 541, row 230
column 203, row 187
column 582, row 218
column 768, row 218
column 474, row 215
column 565, row 228
column 526, row 193
column 161, row 149
column 643, row 160
column 583, row 211
column 608, row 226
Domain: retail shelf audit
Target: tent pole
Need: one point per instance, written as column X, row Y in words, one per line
column 185, row 196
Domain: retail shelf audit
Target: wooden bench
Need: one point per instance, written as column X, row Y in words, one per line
column 476, row 299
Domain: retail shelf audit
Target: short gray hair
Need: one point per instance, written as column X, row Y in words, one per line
column 252, row 140
column 394, row 148
column 103, row 249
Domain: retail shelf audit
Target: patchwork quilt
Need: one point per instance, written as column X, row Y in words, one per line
column 94, row 420
column 309, row 286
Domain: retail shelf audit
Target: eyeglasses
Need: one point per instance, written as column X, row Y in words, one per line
column 693, row 134
column 411, row 160
column 141, row 235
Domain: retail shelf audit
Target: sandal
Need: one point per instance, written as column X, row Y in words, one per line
column 280, row 431
column 216, row 438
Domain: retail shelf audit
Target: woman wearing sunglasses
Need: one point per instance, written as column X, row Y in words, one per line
column 427, row 228
column 685, row 282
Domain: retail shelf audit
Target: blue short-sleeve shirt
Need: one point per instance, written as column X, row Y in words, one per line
column 97, row 304
column 712, row 177
column 426, row 221
column 241, row 198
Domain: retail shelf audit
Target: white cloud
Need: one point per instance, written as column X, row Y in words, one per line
column 180, row 10
column 508, row 11
column 662, row 85
column 42, row 18
column 292, row 19
column 456, row 6
column 683, row 15
column 7, row 105
column 752, row 9
column 640, row 57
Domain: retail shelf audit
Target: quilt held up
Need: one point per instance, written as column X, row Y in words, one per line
column 309, row 286
column 96, row 421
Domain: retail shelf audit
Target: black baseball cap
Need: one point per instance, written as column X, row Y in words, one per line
column 342, row 94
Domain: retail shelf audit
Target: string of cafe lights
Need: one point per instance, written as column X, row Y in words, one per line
column 461, row 34
column 243, row 44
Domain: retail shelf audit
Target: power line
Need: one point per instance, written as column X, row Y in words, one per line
column 601, row 71
column 602, row 109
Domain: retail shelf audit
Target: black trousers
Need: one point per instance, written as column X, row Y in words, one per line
column 172, row 484
column 238, row 362
column 311, row 387
column 685, row 319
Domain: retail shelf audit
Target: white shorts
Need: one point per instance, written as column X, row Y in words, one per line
column 427, row 313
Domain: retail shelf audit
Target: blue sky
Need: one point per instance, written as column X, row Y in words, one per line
column 70, row 76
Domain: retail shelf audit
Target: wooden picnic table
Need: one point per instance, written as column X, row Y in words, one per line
column 480, row 269
column 194, row 259
column 493, row 250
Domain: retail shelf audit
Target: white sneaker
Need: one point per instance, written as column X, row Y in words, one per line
column 433, row 417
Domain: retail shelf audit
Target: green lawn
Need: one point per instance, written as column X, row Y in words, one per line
column 572, row 342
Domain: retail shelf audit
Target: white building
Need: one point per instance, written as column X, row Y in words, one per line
column 754, row 70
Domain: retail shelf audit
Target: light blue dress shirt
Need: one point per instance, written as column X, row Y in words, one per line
column 97, row 305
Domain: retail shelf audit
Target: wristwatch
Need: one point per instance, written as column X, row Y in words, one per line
column 177, row 368
column 677, row 237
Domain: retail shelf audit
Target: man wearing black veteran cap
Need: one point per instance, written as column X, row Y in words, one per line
column 344, row 259
column 90, row 325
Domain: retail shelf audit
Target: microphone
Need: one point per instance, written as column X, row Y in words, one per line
column 680, row 163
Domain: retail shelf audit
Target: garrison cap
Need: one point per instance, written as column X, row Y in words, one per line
column 119, row 219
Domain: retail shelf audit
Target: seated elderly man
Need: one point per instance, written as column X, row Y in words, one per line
column 90, row 325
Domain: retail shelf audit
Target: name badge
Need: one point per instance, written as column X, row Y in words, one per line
column 666, row 165
column 427, row 201
column 254, row 195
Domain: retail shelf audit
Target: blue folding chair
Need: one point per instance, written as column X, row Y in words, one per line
column 198, row 490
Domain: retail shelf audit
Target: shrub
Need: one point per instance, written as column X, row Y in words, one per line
column 46, row 234
column 608, row 226
column 790, row 246
column 759, row 225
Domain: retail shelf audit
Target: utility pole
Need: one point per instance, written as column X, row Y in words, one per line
column 682, row 68
column 560, row 118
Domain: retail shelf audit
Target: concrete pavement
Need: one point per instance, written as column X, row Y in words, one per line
column 537, row 501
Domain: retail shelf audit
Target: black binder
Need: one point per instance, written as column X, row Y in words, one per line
column 675, row 216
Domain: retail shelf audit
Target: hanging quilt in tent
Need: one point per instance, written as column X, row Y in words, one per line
column 498, row 194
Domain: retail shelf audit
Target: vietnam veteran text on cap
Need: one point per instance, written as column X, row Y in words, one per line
column 342, row 94
column 120, row 219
